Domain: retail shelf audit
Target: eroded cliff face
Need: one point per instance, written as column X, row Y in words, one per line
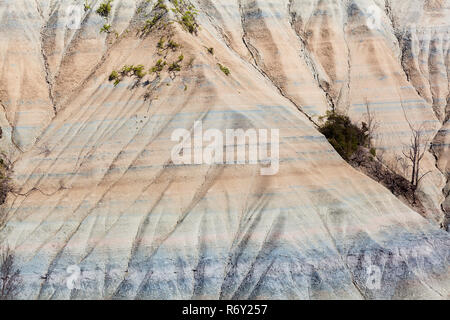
column 94, row 182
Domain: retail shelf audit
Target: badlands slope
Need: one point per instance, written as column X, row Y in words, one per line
column 94, row 185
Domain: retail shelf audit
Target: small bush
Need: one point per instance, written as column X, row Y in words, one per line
column 175, row 67
column 211, row 50
column 373, row 152
column 188, row 21
column 106, row 28
column 343, row 135
column 160, row 5
column 150, row 23
column 105, row 8
column 160, row 10
column 127, row 69
column 224, row 69
column 173, row 45
column 158, row 67
column 114, row 75
column 138, row 71
column 364, row 161
column 5, row 186
column 160, row 44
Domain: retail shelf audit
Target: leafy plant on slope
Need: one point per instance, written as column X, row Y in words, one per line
column 105, row 8
column 343, row 135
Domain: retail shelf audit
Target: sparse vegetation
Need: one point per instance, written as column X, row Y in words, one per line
column 158, row 67
column 132, row 70
column 373, row 166
column 113, row 76
column 175, row 66
column 186, row 14
column 105, row 8
column 150, row 23
column 106, row 28
column 224, row 69
column 87, row 6
column 127, row 71
column 211, row 50
column 173, row 45
column 188, row 21
column 10, row 278
column 138, row 71
column 5, row 186
column 160, row 5
column 160, row 11
column 161, row 43
column 343, row 135
column 116, row 77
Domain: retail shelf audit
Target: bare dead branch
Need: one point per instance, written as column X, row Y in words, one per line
column 10, row 279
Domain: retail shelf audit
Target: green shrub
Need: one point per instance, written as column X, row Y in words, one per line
column 172, row 45
column 158, row 67
column 161, row 10
column 175, row 67
column 138, row 71
column 161, row 42
column 188, row 21
column 105, row 8
column 10, row 277
column 160, row 5
column 186, row 15
column 87, row 6
column 373, row 152
column 127, row 69
column 114, row 75
column 106, row 28
column 5, row 186
column 224, row 69
column 149, row 24
column 343, row 135
column 211, row 50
